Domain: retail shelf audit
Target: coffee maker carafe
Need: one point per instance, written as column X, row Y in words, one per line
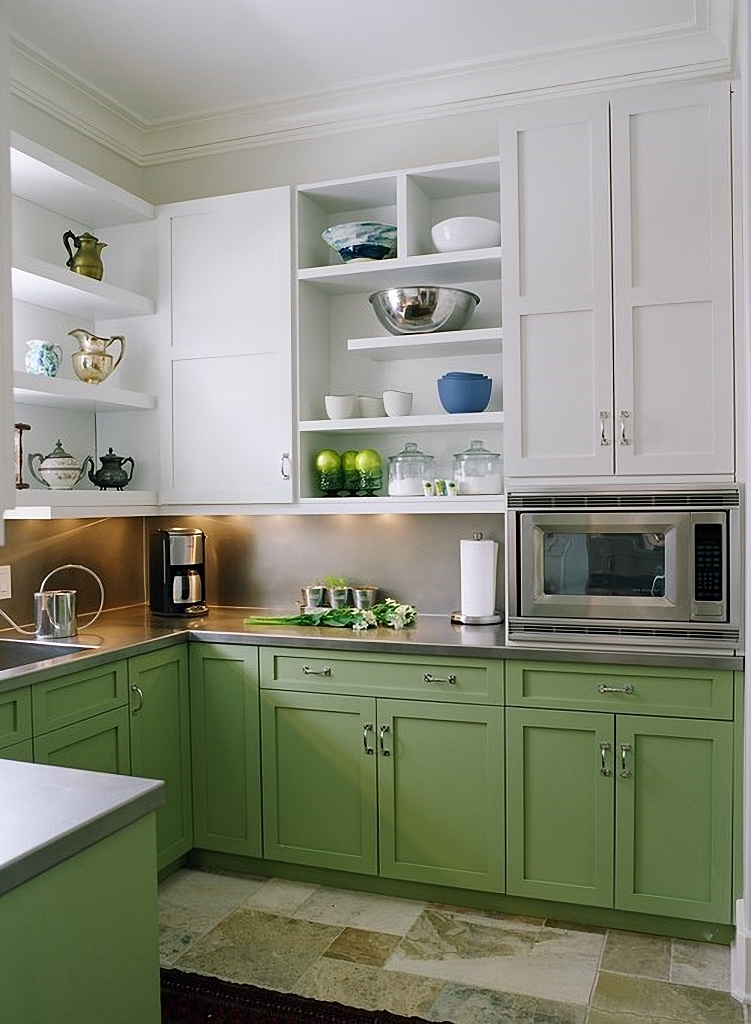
column 177, row 583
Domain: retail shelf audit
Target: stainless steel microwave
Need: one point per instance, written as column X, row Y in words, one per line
column 631, row 568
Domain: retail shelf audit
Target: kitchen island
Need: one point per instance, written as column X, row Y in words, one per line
column 78, row 902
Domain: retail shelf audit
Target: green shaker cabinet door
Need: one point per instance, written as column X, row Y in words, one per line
column 441, row 793
column 226, row 748
column 560, row 805
column 98, row 744
column 160, row 742
column 674, row 805
column 319, row 780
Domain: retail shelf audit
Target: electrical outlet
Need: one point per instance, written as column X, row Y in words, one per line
column 4, row 582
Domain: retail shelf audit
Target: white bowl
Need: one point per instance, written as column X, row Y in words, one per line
column 341, row 407
column 397, row 403
column 371, row 406
column 459, row 233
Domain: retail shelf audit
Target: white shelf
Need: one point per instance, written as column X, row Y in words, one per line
column 30, row 389
column 400, row 424
column 53, row 287
column 384, row 505
column 49, row 180
column 84, row 504
column 434, row 268
column 476, row 342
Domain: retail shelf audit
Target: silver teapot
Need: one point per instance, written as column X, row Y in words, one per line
column 59, row 470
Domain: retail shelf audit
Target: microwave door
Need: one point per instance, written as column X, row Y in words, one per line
column 607, row 566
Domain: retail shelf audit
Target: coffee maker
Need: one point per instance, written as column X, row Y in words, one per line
column 177, row 584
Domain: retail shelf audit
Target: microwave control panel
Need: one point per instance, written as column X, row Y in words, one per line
column 708, row 562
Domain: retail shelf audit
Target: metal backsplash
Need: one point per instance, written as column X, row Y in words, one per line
column 256, row 561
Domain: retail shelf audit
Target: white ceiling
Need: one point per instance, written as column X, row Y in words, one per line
column 162, row 63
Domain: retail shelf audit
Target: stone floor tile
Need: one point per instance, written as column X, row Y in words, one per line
column 647, row 956
column 363, row 947
column 368, row 987
column 462, row 1005
column 367, row 910
column 700, row 963
column 255, row 948
column 180, row 928
column 278, row 896
column 207, row 892
column 648, row 999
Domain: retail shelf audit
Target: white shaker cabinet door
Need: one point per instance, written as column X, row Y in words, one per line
column 227, row 374
column 555, row 211
column 672, row 280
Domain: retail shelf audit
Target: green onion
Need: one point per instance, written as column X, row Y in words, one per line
column 388, row 613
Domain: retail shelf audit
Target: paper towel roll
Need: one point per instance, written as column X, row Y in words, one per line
column 478, row 574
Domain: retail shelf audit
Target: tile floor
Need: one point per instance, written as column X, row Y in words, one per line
column 437, row 962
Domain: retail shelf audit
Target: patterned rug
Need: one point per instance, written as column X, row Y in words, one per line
column 195, row 999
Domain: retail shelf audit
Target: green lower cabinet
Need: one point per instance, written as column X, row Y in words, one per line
column 319, row 780
column 226, row 748
column 99, row 744
column 405, row 789
column 160, row 742
column 625, row 811
column 18, row 751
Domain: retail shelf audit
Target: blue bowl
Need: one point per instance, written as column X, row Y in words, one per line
column 460, row 375
column 463, row 394
column 362, row 240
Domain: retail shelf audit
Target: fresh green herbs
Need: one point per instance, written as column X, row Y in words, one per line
column 388, row 613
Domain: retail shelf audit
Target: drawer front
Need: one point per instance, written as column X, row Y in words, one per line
column 15, row 716
column 67, row 699
column 463, row 680
column 678, row 692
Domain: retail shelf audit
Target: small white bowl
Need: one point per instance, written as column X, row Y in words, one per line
column 459, row 233
column 397, row 403
column 371, row 406
column 341, row 407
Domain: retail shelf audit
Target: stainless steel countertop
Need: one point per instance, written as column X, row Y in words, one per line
column 48, row 814
column 124, row 632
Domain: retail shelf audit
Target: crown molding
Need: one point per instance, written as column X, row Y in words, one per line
column 699, row 45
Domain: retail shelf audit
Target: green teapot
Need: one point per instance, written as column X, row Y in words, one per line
column 87, row 258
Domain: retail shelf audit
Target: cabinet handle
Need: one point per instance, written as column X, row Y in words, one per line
column 368, row 727
column 623, row 415
column 285, row 466
column 430, row 678
column 602, row 688
column 604, row 748
column 308, row 671
column 625, row 750
column 381, row 733
column 604, row 417
column 139, row 691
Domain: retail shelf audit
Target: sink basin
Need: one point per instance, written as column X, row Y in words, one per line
column 16, row 653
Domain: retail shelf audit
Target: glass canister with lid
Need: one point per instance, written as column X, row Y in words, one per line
column 478, row 471
column 409, row 471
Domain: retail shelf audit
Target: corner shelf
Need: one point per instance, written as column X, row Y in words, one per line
column 475, row 342
column 45, row 284
column 30, row 389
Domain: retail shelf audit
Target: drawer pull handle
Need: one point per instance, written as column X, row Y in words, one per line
column 625, row 750
column 308, row 671
column 602, row 688
column 137, row 690
column 604, row 748
column 367, row 728
column 430, row 678
column 381, row 734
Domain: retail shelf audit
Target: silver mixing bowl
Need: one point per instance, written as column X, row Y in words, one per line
column 423, row 308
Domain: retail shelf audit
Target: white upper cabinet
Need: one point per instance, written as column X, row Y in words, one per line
column 226, row 381
column 343, row 349
column 617, row 285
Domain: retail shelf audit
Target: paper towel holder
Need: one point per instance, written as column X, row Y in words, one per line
column 476, row 620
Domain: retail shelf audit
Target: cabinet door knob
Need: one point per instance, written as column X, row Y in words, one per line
column 623, row 415
column 430, row 678
column 285, row 466
column 602, row 688
column 381, row 734
column 604, row 417
column 366, row 729
column 604, row 748
column 139, row 692
column 308, row 671
column 625, row 751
